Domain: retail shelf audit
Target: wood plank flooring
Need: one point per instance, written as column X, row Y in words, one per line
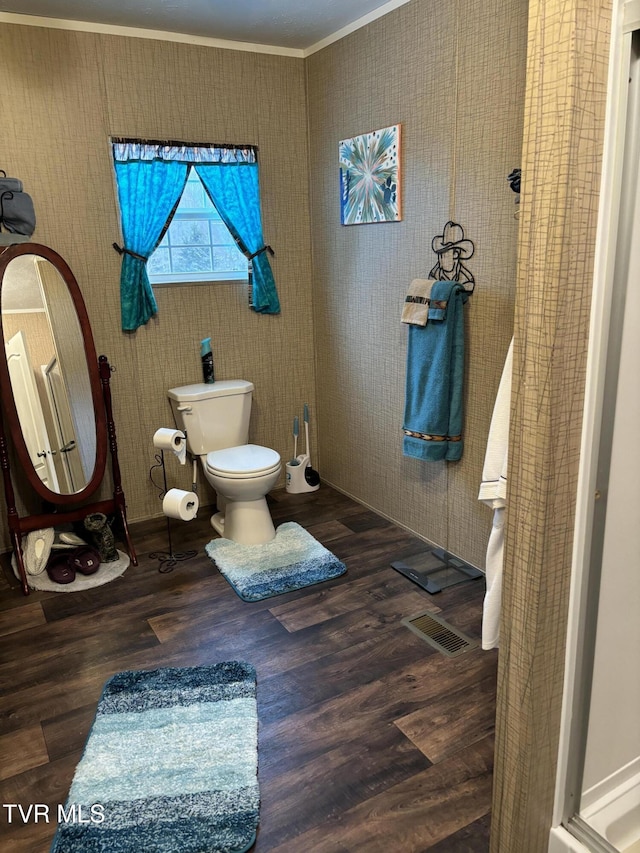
column 369, row 739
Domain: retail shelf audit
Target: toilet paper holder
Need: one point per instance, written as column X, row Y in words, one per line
column 168, row 559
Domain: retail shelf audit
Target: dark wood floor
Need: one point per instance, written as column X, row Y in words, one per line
column 369, row 739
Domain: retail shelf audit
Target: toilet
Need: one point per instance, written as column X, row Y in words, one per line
column 215, row 419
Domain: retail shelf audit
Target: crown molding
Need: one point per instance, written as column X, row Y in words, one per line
column 136, row 32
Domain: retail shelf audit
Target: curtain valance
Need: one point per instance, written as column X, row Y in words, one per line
column 125, row 150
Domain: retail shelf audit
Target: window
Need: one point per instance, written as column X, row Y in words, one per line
column 197, row 245
column 169, row 223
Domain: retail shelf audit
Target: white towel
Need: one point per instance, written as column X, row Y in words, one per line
column 493, row 488
column 493, row 492
column 493, row 595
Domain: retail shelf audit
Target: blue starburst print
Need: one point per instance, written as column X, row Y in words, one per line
column 370, row 177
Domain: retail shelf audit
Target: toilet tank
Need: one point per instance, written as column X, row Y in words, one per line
column 214, row 415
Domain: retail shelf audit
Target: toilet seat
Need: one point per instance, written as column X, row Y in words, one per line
column 243, row 462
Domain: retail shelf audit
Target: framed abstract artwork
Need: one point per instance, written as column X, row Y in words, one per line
column 370, row 177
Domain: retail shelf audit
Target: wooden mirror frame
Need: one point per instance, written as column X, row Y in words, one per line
column 6, row 391
column 60, row 508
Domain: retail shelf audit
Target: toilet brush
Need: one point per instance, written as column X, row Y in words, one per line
column 312, row 477
column 296, row 433
column 300, row 476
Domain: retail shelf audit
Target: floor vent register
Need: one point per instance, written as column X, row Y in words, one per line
column 439, row 634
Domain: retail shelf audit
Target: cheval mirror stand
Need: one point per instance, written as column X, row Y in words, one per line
column 59, row 415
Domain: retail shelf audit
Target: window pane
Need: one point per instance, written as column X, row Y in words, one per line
column 197, row 242
column 196, row 260
column 189, row 232
column 159, row 262
column 193, row 196
column 228, row 260
column 220, row 234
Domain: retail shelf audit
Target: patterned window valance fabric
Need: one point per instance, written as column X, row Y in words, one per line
column 125, row 150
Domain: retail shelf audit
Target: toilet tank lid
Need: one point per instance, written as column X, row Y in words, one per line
column 203, row 391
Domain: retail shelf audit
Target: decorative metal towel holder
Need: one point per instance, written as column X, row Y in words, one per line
column 514, row 182
column 452, row 249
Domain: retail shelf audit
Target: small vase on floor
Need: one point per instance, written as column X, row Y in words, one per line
column 102, row 536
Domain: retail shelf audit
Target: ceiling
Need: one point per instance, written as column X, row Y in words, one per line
column 291, row 24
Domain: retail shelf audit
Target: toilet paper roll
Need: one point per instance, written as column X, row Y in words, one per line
column 180, row 504
column 172, row 440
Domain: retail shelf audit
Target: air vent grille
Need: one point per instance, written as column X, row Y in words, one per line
column 439, row 634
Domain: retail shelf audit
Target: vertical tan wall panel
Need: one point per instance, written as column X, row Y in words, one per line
column 63, row 95
column 53, row 137
column 392, row 71
column 453, row 76
column 564, row 127
column 490, row 106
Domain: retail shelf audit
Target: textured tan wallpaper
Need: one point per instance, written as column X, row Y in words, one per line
column 63, row 95
column 562, row 151
column 453, row 75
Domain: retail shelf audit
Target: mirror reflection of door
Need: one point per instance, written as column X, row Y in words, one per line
column 72, row 366
column 30, row 410
column 36, row 302
column 70, row 471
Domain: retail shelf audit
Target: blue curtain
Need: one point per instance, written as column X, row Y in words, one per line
column 148, row 191
column 235, row 192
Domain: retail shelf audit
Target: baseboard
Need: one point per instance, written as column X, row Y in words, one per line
column 399, row 523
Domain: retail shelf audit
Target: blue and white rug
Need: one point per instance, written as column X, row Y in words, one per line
column 290, row 561
column 170, row 765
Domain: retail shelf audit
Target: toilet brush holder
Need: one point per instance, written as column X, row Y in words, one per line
column 295, row 478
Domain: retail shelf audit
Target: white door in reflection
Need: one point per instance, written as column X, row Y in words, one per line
column 30, row 411
column 70, row 471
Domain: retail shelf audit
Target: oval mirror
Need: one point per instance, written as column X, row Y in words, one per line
column 49, row 374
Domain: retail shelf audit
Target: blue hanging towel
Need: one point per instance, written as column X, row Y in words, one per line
column 435, row 374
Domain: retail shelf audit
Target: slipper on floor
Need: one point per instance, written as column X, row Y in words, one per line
column 58, row 568
column 65, row 541
column 85, row 560
column 72, row 539
column 37, row 550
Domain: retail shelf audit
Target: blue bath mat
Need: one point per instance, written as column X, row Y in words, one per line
column 170, row 765
column 290, row 561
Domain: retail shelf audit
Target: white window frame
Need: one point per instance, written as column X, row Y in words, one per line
column 208, row 277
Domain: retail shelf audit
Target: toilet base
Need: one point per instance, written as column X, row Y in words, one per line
column 245, row 522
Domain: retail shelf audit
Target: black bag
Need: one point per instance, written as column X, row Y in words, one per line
column 17, row 214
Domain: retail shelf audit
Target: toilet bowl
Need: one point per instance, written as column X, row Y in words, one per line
column 242, row 476
column 215, row 420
